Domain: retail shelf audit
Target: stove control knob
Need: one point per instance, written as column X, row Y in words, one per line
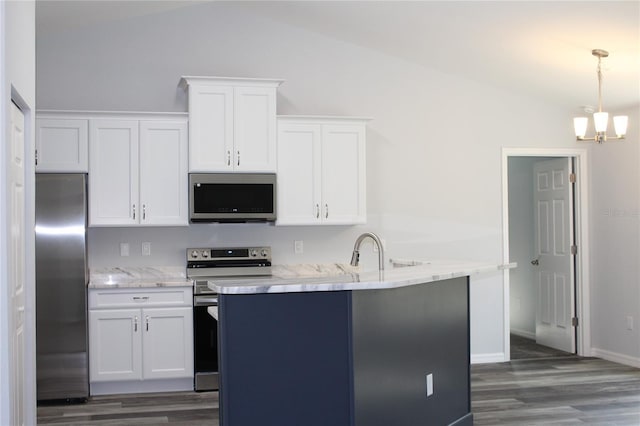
column 264, row 253
column 205, row 254
column 253, row 253
column 194, row 254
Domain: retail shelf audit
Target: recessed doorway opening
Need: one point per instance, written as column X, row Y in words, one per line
column 545, row 232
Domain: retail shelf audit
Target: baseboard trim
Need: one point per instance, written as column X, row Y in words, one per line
column 523, row 333
column 488, row 358
column 616, row 357
column 141, row 386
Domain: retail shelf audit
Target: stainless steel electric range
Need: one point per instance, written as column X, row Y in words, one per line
column 206, row 264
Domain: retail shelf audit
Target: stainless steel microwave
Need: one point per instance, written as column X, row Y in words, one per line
column 232, row 197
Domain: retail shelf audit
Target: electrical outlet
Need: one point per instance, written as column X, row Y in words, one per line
column 629, row 322
column 429, row 379
column 298, row 246
column 124, row 249
column 146, row 249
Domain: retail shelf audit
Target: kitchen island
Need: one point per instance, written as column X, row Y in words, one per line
column 379, row 348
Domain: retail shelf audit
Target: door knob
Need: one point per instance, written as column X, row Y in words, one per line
column 535, row 262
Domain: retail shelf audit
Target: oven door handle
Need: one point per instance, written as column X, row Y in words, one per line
column 205, row 301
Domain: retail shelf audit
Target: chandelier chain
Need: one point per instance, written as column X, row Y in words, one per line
column 599, row 84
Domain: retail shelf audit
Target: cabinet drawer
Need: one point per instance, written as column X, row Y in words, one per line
column 119, row 298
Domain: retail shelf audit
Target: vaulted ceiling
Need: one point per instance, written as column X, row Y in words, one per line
column 538, row 48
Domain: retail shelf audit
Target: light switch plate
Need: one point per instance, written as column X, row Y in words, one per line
column 298, row 246
column 124, row 249
column 146, row 249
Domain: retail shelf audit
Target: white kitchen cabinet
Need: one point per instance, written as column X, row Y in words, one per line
column 321, row 170
column 115, row 345
column 232, row 124
column 138, row 172
column 167, row 342
column 163, row 173
column 61, row 145
column 141, row 344
column 113, row 172
column 140, row 340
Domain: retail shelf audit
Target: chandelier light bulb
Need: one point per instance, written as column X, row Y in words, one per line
column 620, row 125
column 580, row 126
column 600, row 120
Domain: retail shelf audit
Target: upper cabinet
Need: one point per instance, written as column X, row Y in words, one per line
column 61, row 144
column 321, row 170
column 232, row 124
column 138, row 172
column 113, row 181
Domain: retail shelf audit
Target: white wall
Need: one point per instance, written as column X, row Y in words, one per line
column 615, row 255
column 17, row 74
column 433, row 150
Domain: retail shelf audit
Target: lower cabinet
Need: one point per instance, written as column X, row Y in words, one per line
column 140, row 349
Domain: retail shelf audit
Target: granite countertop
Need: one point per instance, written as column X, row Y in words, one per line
column 137, row 277
column 403, row 273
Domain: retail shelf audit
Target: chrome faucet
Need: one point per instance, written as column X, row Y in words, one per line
column 355, row 257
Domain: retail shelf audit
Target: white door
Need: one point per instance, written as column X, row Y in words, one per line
column 553, row 201
column 16, row 264
column 167, row 343
column 163, row 173
column 254, row 129
column 115, row 345
column 343, row 174
column 210, row 129
column 299, row 174
column 113, row 181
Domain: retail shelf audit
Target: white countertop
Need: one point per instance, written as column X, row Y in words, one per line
column 418, row 272
column 136, row 277
column 213, row 311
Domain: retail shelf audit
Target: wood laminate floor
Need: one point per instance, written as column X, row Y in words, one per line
column 546, row 391
column 523, row 348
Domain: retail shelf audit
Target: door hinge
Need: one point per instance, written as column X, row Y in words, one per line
column 574, row 250
column 572, row 177
column 574, row 321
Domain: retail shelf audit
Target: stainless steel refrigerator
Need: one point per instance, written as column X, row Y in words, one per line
column 62, row 370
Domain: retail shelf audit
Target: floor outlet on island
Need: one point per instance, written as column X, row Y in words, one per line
column 429, row 385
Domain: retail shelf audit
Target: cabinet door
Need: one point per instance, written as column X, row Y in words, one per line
column 61, row 145
column 163, row 173
column 113, row 180
column 299, row 198
column 168, row 343
column 210, row 129
column 115, row 345
column 343, row 174
column 255, row 129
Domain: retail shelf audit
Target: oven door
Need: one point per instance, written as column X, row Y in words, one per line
column 205, row 337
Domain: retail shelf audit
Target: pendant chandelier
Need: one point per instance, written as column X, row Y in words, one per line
column 600, row 118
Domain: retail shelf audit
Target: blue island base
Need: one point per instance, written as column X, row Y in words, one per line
column 346, row 358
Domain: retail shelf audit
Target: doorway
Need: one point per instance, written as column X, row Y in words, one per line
column 541, row 302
